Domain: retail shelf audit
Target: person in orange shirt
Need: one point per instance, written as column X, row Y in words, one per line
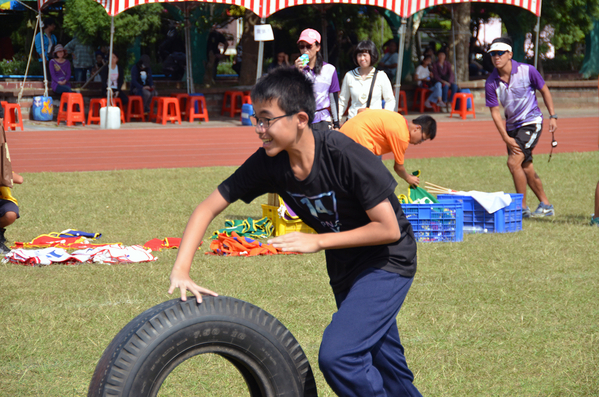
column 383, row 131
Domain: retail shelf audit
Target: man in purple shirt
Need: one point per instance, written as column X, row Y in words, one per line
column 514, row 84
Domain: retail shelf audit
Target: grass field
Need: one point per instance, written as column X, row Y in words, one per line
column 496, row 315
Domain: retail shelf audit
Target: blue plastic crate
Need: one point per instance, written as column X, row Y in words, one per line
column 478, row 220
column 436, row 222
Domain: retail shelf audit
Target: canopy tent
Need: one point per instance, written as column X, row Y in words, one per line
column 265, row 8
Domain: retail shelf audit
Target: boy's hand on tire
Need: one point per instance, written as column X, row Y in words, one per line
column 185, row 283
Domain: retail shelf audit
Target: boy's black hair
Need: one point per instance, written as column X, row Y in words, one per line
column 441, row 52
column 291, row 90
column 428, row 124
column 369, row 47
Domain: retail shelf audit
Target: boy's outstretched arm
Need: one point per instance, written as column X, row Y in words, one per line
column 196, row 227
column 382, row 229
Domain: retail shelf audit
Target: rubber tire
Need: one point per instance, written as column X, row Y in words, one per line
column 142, row 354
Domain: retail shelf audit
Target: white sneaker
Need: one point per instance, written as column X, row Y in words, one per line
column 427, row 104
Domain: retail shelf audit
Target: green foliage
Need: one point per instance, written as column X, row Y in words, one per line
column 17, row 65
column 571, row 20
column 88, row 20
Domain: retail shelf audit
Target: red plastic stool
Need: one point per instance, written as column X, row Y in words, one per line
column 402, row 99
column 154, row 108
column 168, row 110
column 71, row 109
column 135, row 108
column 12, row 113
column 95, row 104
column 230, row 103
column 202, row 113
column 119, row 103
column 463, row 97
column 247, row 98
column 420, row 98
column 183, row 101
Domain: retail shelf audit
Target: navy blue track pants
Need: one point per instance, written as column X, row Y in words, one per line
column 361, row 354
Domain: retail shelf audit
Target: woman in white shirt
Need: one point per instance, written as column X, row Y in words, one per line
column 356, row 84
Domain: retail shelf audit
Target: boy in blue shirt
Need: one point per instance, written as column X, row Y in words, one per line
column 344, row 192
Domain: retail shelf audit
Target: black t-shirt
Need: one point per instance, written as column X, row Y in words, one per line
column 346, row 180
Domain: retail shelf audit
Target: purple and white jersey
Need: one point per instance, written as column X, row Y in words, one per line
column 518, row 96
column 326, row 82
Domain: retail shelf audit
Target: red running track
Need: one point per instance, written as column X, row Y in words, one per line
column 95, row 150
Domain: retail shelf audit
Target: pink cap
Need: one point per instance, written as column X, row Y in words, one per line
column 310, row 36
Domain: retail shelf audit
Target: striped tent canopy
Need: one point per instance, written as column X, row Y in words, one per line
column 265, row 8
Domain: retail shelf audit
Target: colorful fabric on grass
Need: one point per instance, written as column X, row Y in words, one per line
column 236, row 245
column 156, row 244
column 262, row 228
column 67, row 239
column 111, row 254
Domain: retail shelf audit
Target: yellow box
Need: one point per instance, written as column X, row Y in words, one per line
column 283, row 226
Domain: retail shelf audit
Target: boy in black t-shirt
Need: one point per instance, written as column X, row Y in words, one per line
column 345, row 193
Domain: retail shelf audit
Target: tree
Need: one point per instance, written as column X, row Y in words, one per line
column 461, row 26
column 88, row 20
column 571, row 21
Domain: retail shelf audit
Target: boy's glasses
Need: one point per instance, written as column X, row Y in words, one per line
column 497, row 53
column 264, row 123
column 306, row 46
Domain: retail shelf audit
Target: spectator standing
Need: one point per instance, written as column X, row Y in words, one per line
column 389, row 62
column 45, row 42
column 113, row 79
column 9, row 211
column 83, row 58
column 443, row 79
column 238, row 58
column 514, row 84
column 213, row 54
column 324, row 77
column 364, row 86
column 60, row 70
column 142, row 83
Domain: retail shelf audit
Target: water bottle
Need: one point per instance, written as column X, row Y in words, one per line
column 305, row 59
column 87, row 75
column 474, row 229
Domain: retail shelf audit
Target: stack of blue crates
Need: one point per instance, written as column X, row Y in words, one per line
column 440, row 222
column 477, row 219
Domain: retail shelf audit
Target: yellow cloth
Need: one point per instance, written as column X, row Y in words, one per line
column 5, row 194
column 380, row 131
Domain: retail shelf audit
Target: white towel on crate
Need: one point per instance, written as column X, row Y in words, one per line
column 491, row 202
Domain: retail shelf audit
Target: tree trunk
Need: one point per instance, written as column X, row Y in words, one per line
column 249, row 58
column 461, row 21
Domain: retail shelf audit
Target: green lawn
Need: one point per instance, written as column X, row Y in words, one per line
column 496, row 315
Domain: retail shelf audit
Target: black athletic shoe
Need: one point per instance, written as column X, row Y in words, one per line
column 4, row 249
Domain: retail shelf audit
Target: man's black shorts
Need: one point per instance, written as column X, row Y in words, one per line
column 527, row 137
column 8, row 206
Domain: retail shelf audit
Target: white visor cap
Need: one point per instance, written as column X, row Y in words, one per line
column 500, row 47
